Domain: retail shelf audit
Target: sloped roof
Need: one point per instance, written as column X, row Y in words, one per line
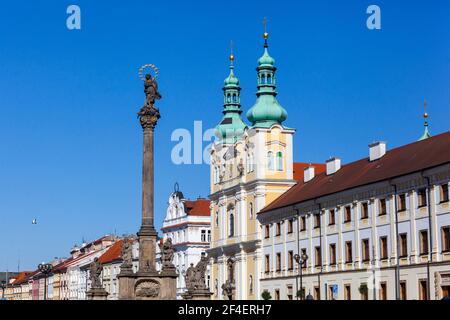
column 400, row 161
column 199, row 207
column 299, row 169
column 22, row 277
column 113, row 253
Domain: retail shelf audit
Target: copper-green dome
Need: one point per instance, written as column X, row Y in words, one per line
column 231, row 127
column 231, row 80
column 266, row 111
column 266, row 59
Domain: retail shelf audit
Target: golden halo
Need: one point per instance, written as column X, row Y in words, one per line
column 145, row 66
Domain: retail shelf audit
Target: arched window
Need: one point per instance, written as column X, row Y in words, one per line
column 269, row 79
column 248, row 163
column 228, row 98
column 263, row 79
column 231, row 226
column 234, row 98
column 270, row 160
column 251, row 210
column 250, row 284
column 217, row 218
column 279, row 161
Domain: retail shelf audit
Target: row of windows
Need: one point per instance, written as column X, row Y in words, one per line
column 231, row 222
column 277, row 161
column 265, row 79
column 232, row 98
column 364, row 294
column 205, row 235
column 365, row 250
column 347, row 214
column 177, row 236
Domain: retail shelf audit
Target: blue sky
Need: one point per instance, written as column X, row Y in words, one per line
column 72, row 146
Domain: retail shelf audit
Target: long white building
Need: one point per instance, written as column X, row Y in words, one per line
column 376, row 228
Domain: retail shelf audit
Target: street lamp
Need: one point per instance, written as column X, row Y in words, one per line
column 3, row 285
column 45, row 269
column 301, row 260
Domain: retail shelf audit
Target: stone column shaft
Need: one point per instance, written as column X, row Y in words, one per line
column 147, row 233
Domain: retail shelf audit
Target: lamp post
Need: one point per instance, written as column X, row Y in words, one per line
column 301, row 260
column 45, row 269
column 3, row 286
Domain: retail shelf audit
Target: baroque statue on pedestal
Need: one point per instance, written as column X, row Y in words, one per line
column 167, row 252
column 95, row 269
column 195, row 276
column 127, row 254
column 149, row 114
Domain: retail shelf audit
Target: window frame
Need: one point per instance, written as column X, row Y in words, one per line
column 347, row 214
column 348, row 254
column 382, row 209
column 331, row 217
column 403, row 239
column 365, row 210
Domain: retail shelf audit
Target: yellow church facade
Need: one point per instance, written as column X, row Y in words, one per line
column 251, row 165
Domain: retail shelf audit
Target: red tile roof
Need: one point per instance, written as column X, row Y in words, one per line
column 299, row 169
column 199, row 207
column 22, row 277
column 403, row 160
column 114, row 253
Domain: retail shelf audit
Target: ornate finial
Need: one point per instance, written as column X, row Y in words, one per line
column 426, row 134
column 425, row 114
column 265, row 34
column 231, row 52
column 176, row 187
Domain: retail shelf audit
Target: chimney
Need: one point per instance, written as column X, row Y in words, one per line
column 377, row 150
column 333, row 165
column 308, row 174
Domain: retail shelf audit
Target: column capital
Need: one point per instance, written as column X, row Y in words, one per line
column 148, row 117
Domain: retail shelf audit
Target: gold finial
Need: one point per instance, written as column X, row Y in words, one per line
column 231, row 51
column 265, row 35
column 425, row 104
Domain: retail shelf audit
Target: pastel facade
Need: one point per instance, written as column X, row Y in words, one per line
column 377, row 228
column 251, row 165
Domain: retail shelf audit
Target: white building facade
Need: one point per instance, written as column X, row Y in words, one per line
column 187, row 223
column 377, row 228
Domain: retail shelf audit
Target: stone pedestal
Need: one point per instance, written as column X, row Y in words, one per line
column 197, row 295
column 148, row 285
column 97, row 294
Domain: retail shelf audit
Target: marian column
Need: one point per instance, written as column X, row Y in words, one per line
column 148, row 116
column 148, row 283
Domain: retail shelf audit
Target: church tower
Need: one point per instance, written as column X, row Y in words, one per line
column 231, row 128
column 250, row 167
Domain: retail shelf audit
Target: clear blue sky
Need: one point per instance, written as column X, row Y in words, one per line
column 70, row 141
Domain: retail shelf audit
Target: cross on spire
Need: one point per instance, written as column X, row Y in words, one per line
column 231, row 52
column 425, row 105
column 265, row 35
